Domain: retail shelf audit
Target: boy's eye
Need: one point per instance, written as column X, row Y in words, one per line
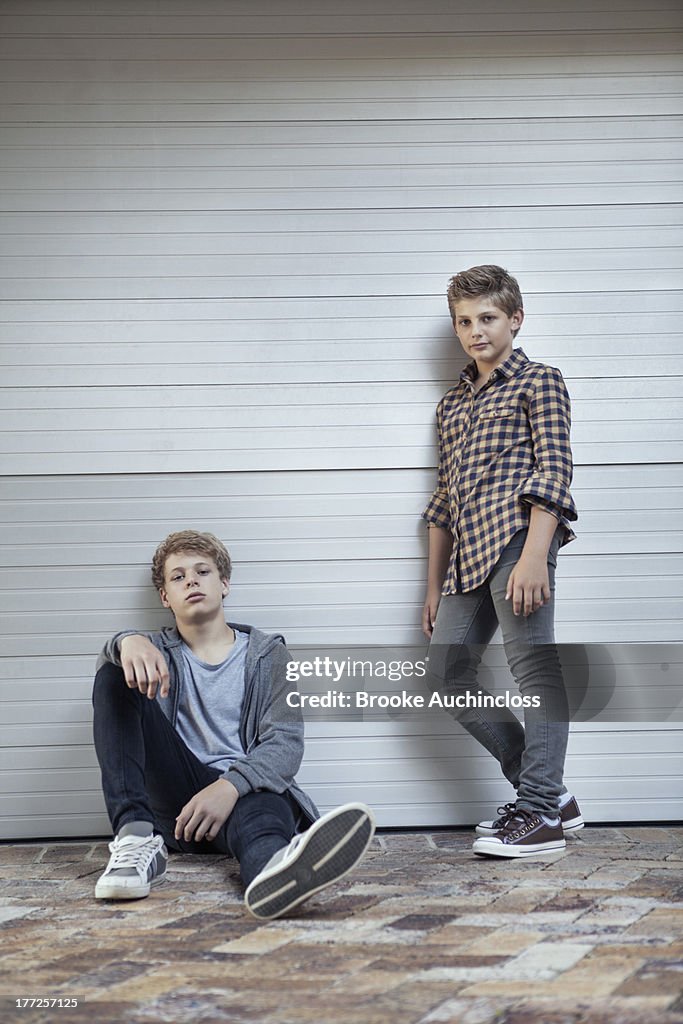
column 174, row 579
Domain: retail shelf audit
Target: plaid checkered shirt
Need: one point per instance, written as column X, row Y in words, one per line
column 501, row 450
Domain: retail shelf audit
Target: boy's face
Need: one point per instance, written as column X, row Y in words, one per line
column 192, row 589
column 485, row 330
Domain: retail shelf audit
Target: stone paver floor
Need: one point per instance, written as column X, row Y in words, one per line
column 421, row 933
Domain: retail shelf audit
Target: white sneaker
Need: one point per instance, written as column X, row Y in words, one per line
column 331, row 847
column 136, row 864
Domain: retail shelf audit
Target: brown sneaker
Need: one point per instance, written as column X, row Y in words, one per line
column 570, row 819
column 489, row 828
column 524, row 834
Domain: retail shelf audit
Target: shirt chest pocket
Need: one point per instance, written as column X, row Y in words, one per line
column 499, row 427
column 501, row 415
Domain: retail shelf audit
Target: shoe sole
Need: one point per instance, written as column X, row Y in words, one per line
column 110, row 891
column 502, row 850
column 333, row 846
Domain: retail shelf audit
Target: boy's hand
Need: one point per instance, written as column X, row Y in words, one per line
column 144, row 667
column 431, row 607
column 528, row 584
column 203, row 815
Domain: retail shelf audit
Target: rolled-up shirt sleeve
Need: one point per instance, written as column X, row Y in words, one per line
column 549, row 414
column 438, row 510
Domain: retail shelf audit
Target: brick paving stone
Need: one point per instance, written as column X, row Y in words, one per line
column 411, row 1000
column 598, row 974
column 181, row 1004
column 567, row 899
column 609, row 876
column 545, row 960
column 527, row 1013
column 13, row 913
column 488, row 1011
column 657, row 835
column 160, row 979
column 263, row 940
column 505, row 943
column 617, row 910
column 559, row 919
column 444, row 943
column 658, row 885
column 456, row 1010
column 336, row 905
column 677, row 1006
column 519, row 900
column 639, row 1012
column 29, row 887
column 17, row 855
column 370, row 981
column 665, row 922
column 66, row 853
column 421, row 922
column 39, row 981
column 655, row 977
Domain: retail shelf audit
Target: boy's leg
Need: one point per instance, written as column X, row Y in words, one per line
column 534, row 662
column 261, row 823
column 464, row 626
column 148, row 773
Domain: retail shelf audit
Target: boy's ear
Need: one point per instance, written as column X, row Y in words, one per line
column 226, row 586
column 164, row 598
column 517, row 319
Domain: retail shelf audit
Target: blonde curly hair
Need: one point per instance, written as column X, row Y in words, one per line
column 190, row 540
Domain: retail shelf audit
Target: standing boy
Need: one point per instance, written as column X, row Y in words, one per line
column 500, row 512
column 199, row 747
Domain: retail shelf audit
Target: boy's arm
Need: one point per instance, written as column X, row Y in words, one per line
column 440, row 548
column 140, row 656
column 528, row 584
column 438, row 510
column 276, row 756
column 438, row 517
column 546, row 490
column 549, row 415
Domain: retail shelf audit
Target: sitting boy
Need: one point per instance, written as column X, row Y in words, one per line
column 500, row 512
column 198, row 748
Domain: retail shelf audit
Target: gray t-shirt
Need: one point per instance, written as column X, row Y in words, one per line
column 209, row 711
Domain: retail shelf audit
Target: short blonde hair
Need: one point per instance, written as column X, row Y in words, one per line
column 190, row 540
column 488, row 281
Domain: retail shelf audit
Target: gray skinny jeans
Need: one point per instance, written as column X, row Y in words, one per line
column 531, row 756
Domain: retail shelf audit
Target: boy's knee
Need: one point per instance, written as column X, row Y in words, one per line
column 263, row 812
column 106, row 678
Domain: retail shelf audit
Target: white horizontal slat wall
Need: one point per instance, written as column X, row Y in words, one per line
column 225, row 233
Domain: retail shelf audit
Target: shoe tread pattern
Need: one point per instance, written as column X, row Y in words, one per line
column 302, row 871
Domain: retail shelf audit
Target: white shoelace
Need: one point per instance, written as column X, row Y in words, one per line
column 134, row 852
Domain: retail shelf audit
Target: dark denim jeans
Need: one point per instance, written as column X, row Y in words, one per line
column 149, row 774
column 531, row 756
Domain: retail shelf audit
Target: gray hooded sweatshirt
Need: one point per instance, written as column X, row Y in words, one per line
column 271, row 732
